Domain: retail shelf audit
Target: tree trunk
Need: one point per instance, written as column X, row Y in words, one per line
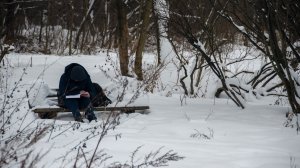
column 201, row 62
column 41, row 27
column 123, row 37
column 70, row 26
column 281, row 64
column 2, row 19
column 157, row 35
column 10, row 22
column 142, row 39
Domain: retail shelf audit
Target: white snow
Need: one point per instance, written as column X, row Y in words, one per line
column 254, row 137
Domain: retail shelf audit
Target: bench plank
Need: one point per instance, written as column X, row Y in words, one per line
column 51, row 112
column 125, row 109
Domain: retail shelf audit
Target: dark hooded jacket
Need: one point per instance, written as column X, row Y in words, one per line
column 67, row 86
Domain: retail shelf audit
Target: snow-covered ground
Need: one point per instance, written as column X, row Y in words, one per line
column 207, row 132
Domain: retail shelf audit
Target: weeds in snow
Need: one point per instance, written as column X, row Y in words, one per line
column 17, row 149
column 292, row 120
column 17, row 140
column 211, row 112
column 293, row 162
column 153, row 159
column 200, row 135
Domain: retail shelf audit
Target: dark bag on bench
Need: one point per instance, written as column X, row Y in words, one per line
column 100, row 99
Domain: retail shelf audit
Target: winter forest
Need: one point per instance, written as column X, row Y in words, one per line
column 221, row 79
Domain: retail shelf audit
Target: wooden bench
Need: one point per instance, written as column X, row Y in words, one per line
column 51, row 112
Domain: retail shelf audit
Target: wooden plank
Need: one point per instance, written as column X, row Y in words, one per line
column 125, row 109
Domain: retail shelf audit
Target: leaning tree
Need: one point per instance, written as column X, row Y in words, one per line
column 273, row 28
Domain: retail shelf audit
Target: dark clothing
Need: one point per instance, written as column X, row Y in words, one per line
column 78, row 73
column 75, row 104
column 67, row 86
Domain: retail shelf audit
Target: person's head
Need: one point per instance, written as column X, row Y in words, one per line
column 78, row 73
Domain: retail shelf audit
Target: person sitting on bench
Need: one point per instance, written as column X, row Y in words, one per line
column 76, row 90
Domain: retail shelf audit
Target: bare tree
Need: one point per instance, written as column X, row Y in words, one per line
column 2, row 21
column 122, row 36
column 86, row 18
column 142, row 38
column 199, row 32
column 9, row 21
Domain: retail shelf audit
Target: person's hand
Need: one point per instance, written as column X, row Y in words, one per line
column 84, row 93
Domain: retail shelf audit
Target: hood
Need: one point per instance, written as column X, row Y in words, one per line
column 69, row 67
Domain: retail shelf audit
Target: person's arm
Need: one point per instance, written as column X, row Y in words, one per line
column 62, row 85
